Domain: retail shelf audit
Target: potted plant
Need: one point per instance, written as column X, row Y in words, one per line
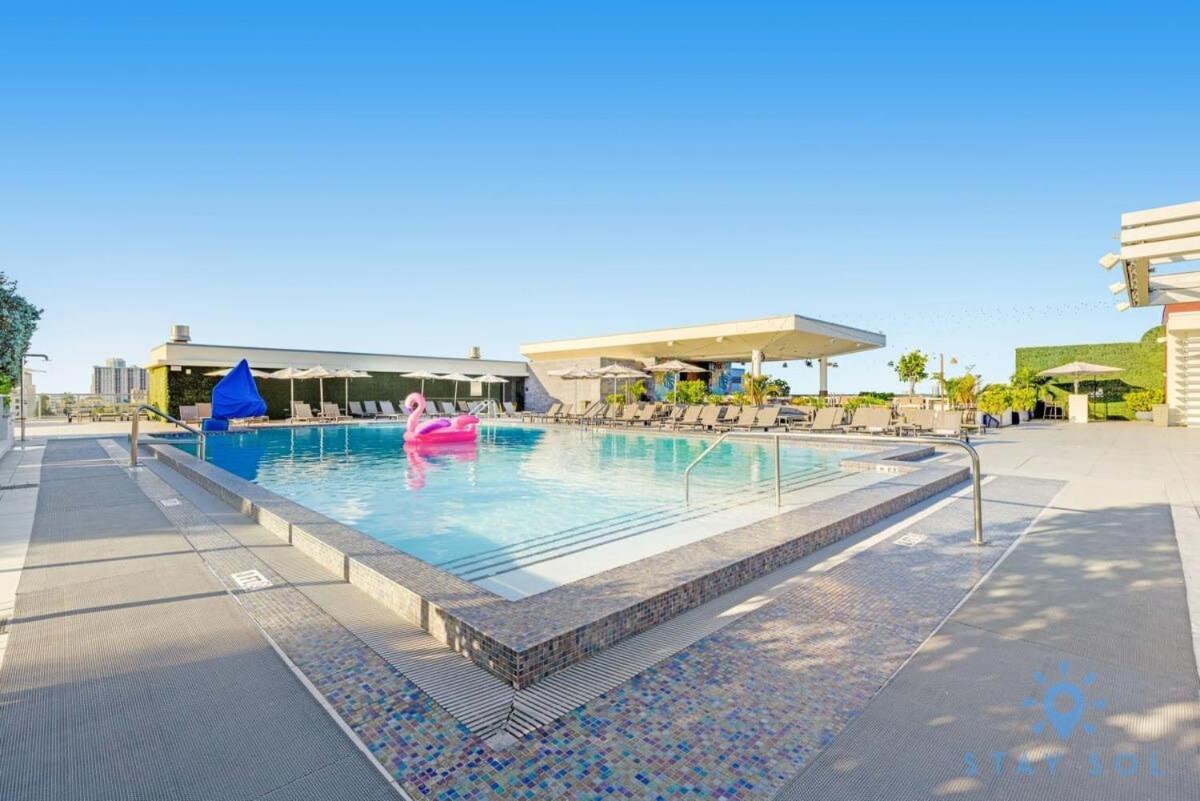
column 1142, row 402
column 996, row 401
column 1023, row 400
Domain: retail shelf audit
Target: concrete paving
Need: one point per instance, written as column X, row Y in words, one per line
column 133, row 674
column 1093, row 600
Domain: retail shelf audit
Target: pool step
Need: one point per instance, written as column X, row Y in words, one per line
column 657, row 512
column 510, row 562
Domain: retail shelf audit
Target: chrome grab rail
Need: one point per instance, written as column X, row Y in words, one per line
column 872, row 438
column 133, row 432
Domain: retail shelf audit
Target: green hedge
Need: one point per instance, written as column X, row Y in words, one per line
column 190, row 386
column 1143, row 361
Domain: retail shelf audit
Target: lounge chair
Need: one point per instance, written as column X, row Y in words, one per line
column 766, row 419
column 916, row 421
column 629, row 412
column 204, row 411
column 448, row 408
column 189, row 415
column 690, row 417
column 509, row 409
column 871, row 419
column 371, row 408
column 529, row 416
column 745, row 418
column 827, row 419
column 673, row 414
column 302, row 411
column 645, row 415
column 356, row 409
column 386, row 409
column 596, row 413
column 947, row 423
column 331, row 412
column 710, row 417
column 733, row 414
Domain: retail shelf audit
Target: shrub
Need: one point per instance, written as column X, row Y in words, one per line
column 863, row 400
column 688, row 392
column 808, row 400
column 1023, row 399
column 995, row 400
column 617, row 398
column 1143, row 400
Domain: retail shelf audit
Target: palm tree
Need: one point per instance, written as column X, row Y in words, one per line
column 758, row 388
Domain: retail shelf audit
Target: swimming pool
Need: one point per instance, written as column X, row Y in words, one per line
column 526, row 508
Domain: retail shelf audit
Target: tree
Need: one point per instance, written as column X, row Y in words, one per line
column 759, row 388
column 911, row 368
column 18, row 321
column 1027, row 378
column 783, row 387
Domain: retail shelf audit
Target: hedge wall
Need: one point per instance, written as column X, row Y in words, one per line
column 1144, row 362
column 190, row 386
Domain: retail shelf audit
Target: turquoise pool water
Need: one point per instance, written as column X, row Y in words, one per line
column 520, row 495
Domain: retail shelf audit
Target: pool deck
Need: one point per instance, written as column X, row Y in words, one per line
column 137, row 667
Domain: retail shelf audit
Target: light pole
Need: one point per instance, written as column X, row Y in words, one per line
column 21, row 386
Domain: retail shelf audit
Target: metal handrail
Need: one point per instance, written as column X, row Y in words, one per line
column 133, row 432
column 872, row 438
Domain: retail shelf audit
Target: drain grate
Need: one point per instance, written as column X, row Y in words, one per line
column 170, row 502
column 18, row 486
column 251, row 580
column 911, row 539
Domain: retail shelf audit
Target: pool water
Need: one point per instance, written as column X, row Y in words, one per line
column 521, row 495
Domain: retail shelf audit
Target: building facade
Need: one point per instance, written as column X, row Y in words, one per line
column 119, row 381
column 183, row 372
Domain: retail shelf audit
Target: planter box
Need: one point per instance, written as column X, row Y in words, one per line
column 1161, row 413
column 1143, row 415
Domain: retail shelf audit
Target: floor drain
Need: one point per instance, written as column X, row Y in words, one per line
column 909, row 540
column 251, row 580
column 170, row 501
column 18, row 486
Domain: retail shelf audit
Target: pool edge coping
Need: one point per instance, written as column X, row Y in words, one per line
column 525, row 640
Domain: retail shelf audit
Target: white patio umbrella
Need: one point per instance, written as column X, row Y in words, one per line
column 421, row 374
column 456, row 378
column 492, row 379
column 613, row 371
column 574, row 374
column 320, row 373
column 227, row 370
column 345, row 373
column 1077, row 369
column 675, row 366
column 290, row 374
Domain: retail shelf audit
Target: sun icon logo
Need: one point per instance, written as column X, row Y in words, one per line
column 1063, row 702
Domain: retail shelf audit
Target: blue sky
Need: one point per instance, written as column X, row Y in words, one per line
column 403, row 178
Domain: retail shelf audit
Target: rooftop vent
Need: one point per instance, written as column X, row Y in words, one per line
column 180, row 333
column 473, row 353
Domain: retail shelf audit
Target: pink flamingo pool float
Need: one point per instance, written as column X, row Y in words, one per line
column 439, row 430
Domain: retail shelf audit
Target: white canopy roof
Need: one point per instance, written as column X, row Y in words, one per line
column 786, row 337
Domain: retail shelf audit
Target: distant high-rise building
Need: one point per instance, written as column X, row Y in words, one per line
column 119, row 381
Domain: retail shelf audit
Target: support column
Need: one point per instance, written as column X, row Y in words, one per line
column 756, row 360
column 823, row 363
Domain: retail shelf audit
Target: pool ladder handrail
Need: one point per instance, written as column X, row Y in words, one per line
column 882, row 439
column 133, row 432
